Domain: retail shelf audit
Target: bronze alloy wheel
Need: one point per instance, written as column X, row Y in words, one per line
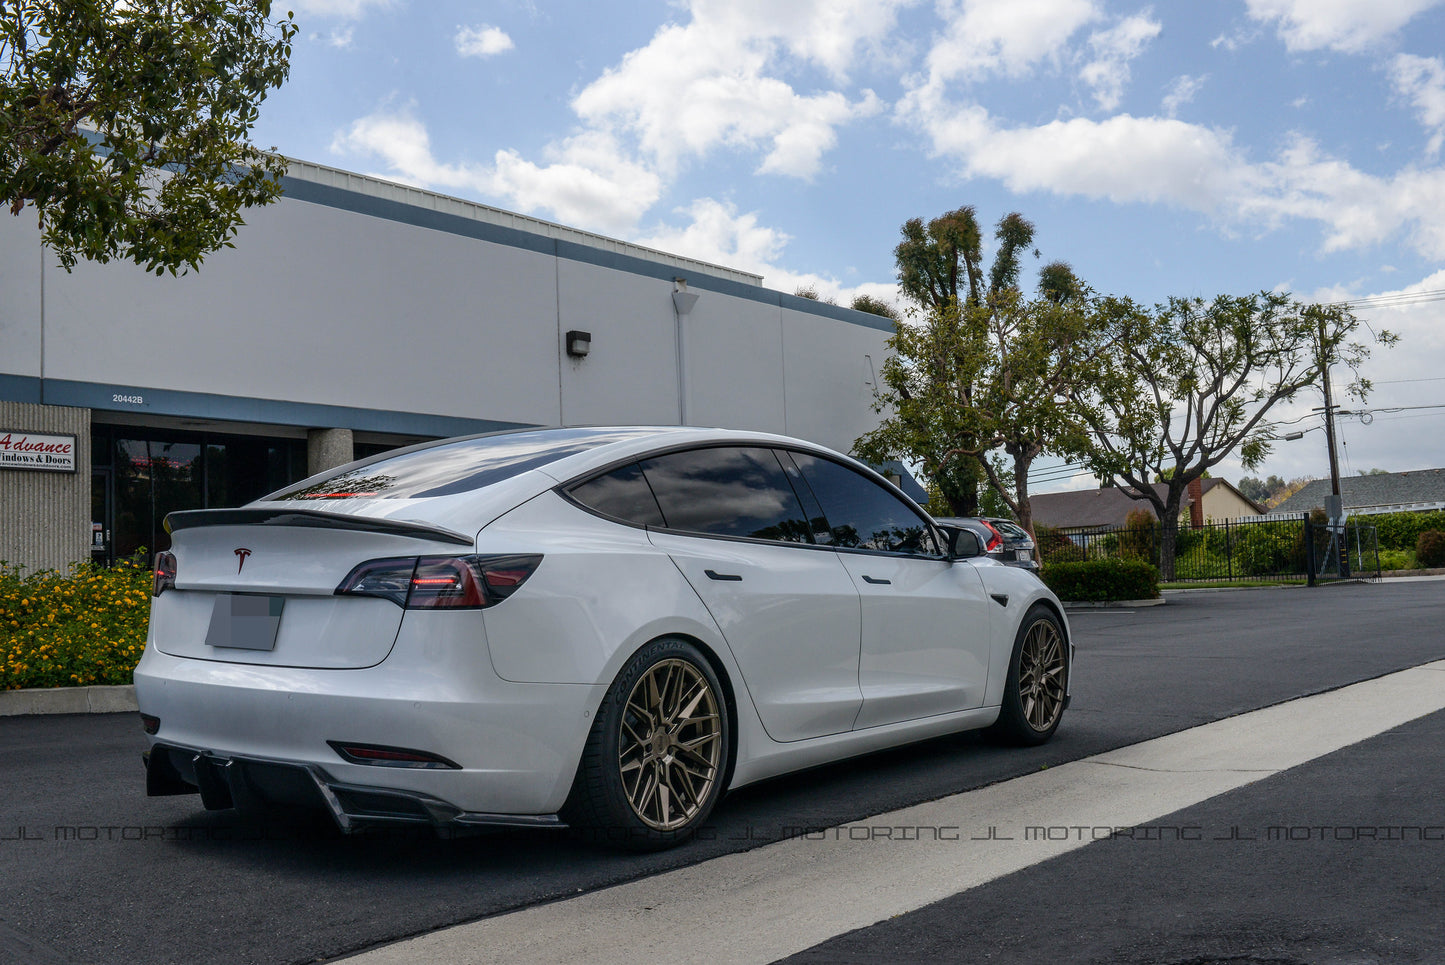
column 1041, row 675
column 670, row 744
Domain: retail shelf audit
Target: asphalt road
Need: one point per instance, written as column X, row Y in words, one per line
column 93, row 871
column 1340, row 861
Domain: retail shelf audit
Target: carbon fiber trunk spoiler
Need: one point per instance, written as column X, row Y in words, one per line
column 310, row 518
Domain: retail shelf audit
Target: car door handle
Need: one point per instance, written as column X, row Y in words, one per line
column 725, row 577
column 869, row 579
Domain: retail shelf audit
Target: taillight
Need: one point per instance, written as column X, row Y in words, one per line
column 441, row 582
column 994, row 541
column 388, row 579
column 165, row 574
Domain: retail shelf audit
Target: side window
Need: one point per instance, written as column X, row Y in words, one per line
column 817, row 521
column 861, row 513
column 621, row 494
column 727, row 492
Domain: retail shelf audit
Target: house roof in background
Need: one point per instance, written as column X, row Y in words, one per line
column 1090, row 508
column 1392, row 490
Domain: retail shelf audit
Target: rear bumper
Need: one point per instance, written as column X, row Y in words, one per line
column 516, row 745
column 251, row 783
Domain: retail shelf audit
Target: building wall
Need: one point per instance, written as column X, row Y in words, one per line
column 1221, row 503
column 353, row 308
column 45, row 516
column 347, row 315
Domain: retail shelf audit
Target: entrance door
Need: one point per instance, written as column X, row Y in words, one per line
column 101, row 521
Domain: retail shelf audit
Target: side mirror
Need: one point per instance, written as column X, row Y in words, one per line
column 964, row 544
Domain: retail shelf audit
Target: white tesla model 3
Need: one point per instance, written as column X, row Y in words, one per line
column 601, row 627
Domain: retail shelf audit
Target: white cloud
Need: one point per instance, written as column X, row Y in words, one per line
column 340, row 38
column 712, row 83
column 588, row 182
column 332, row 9
column 1113, row 49
column 1422, row 80
column 1122, row 158
column 482, row 40
column 1003, row 37
column 715, row 232
column 1236, row 40
column 1181, row 92
column 1159, row 160
column 1345, row 25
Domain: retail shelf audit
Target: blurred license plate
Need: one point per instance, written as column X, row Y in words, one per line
column 245, row 621
column 1023, row 555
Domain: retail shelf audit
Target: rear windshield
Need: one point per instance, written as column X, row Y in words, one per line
column 1010, row 530
column 456, row 467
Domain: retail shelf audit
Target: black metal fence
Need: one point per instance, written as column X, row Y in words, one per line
column 1348, row 552
column 1269, row 549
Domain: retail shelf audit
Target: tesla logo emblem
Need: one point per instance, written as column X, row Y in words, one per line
column 241, row 554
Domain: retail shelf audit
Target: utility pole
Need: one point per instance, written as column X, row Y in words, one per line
column 1336, row 507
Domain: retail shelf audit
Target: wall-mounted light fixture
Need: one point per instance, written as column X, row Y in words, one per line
column 579, row 344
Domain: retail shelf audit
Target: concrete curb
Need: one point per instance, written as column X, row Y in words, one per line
column 68, row 700
column 1111, row 604
column 1235, row 589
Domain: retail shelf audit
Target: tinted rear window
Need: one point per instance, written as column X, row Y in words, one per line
column 622, row 494
column 457, row 467
column 1009, row 530
column 727, row 492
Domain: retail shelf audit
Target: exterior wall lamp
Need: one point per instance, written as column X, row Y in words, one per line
column 579, row 344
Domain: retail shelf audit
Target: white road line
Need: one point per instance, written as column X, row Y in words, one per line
column 780, row 899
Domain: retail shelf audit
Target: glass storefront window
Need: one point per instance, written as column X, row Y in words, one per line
column 152, row 478
column 154, row 472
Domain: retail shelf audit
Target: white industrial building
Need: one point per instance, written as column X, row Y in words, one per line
column 355, row 315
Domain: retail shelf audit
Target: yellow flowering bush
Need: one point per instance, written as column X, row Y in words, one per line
column 73, row 629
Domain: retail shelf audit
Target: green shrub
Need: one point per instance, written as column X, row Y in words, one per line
column 1266, row 549
column 1187, row 539
column 1202, row 566
column 1397, row 560
column 1048, row 540
column 1400, row 531
column 1098, row 580
column 1430, row 548
column 72, row 630
column 1140, row 535
column 1067, row 553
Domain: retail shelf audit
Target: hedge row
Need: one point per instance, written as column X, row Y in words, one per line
column 72, row 629
column 1401, row 531
column 1100, row 580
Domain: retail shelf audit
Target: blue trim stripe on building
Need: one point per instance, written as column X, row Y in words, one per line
column 20, row 388
column 398, row 211
column 205, row 405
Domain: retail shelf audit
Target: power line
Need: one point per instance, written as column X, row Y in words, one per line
column 1393, row 299
column 1394, row 408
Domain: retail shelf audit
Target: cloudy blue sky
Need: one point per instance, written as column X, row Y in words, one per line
column 1165, row 149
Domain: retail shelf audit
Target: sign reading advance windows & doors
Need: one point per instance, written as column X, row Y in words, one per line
column 31, row 450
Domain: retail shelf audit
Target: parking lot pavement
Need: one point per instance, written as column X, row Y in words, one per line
column 755, row 906
column 96, row 872
column 1340, row 861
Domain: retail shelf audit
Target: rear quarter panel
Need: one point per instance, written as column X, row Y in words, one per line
column 602, row 591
